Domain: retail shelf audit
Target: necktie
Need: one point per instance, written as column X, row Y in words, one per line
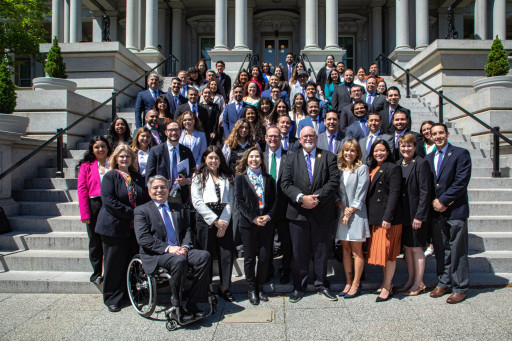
column 315, row 125
column 369, row 99
column 362, row 123
column 176, row 101
column 308, row 165
column 439, row 161
column 238, row 106
column 273, row 166
column 331, row 145
column 285, row 142
column 304, row 92
column 174, row 163
column 370, row 142
column 289, row 72
column 396, row 141
column 154, row 95
column 169, row 228
column 194, row 109
column 391, row 111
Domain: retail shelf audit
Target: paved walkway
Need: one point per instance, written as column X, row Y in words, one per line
column 486, row 315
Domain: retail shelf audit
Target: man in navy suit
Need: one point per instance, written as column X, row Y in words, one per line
column 451, row 167
column 347, row 114
column 174, row 96
column 375, row 133
column 289, row 142
column 274, row 82
column 392, row 105
column 312, row 120
column 311, row 93
column 358, row 128
column 146, row 99
column 332, row 138
column 288, row 67
column 401, row 122
column 372, row 97
column 233, row 111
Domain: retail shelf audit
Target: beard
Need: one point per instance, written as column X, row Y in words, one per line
column 309, row 145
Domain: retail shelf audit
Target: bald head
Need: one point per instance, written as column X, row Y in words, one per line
column 308, row 138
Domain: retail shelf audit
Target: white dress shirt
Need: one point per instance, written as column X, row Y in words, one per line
column 278, row 161
column 142, row 158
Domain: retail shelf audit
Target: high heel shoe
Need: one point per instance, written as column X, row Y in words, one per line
column 421, row 289
column 357, row 293
column 380, row 299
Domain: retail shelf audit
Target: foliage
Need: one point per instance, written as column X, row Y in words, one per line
column 54, row 65
column 7, row 87
column 497, row 60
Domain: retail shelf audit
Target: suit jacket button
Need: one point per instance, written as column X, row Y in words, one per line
column 378, row 200
column 378, row 191
column 380, row 182
column 437, row 184
column 403, row 194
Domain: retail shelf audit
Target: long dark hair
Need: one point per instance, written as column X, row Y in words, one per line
column 167, row 112
column 373, row 162
column 274, row 115
column 264, row 100
column 204, row 172
column 431, row 123
column 260, row 78
column 257, row 129
column 112, row 135
column 89, row 155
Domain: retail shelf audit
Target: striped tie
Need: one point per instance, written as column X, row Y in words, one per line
column 308, row 165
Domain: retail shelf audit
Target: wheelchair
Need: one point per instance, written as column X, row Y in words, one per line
column 142, row 289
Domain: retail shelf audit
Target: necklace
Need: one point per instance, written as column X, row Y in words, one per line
column 405, row 164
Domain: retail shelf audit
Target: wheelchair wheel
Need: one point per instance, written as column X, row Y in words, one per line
column 171, row 325
column 141, row 288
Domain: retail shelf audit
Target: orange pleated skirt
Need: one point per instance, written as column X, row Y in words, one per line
column 384, row 245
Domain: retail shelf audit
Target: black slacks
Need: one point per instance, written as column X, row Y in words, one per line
column 116, row 253
column 257, row 241
column 283, row 232
column 309, row 236
column 95, row 244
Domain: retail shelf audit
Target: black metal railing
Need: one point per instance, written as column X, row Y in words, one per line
column 248, row 57
column 62, row 131
column 311, row 69
column 497, row 135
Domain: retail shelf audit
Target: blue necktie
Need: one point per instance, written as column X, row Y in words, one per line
column 285, row 142
column 369, row 147
column 439, row 161
column 308, row 165
column 154, row 95
column 391, row 111
column 331, row 147
column 362, row 123
column 174, row 162
column 169, row 228
column 176, row 101
column 369, row 99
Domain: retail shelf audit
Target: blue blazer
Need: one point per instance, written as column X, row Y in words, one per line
column 354, row 131
column 230, row 117
column 451, row 184
column 198, row 145
column 284, row 95
column 172, row 105
column 143, row 103
column 307, row 122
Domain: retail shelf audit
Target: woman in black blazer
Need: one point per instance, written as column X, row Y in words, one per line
column 122, row 189
column 384, row 218
column 255, row 198
column 323, row 74
column 416, row 198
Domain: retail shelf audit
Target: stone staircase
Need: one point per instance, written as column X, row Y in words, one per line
column 47, row 250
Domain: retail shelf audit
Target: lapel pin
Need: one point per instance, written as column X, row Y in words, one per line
column 319, row 155
column 449, row 154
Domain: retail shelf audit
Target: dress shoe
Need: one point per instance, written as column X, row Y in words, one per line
column 420, row 290
column 381, row 299
column 438, row 292
column 284, row 277
column 253, row 297
column 456, row 298
column 192, row 309
column 262, row 295
column 357, row 293
column 296, row 296
column 226, row 295
column 328, row 294
column 98, row 280
column 114, row 308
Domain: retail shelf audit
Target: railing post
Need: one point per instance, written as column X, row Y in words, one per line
column 496, row 173
column 441, row 107
column 114, row 106
column 60, row 155
column 408, row 81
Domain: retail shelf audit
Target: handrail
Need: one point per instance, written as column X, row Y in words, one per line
column 61, row 132
column 305, row 57
column 249, row 55
column 494, row 130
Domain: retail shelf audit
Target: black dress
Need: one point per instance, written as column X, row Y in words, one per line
column 410, row 236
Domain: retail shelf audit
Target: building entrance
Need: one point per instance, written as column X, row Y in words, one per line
column 274, row 50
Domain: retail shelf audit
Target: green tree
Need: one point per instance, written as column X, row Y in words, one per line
column 54, row 65
column 7, row 87
column 497, row 60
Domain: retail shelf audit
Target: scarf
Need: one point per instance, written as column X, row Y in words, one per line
column 256, row 178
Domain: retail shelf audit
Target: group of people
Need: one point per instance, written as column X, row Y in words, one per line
column 214, row 171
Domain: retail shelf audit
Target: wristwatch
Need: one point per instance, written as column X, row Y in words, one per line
column 301, row 197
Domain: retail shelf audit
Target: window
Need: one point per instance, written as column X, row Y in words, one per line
column 347, row 43
column 205, row 45
column 23, row 75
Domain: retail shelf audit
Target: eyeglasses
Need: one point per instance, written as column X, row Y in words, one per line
column 156, row 188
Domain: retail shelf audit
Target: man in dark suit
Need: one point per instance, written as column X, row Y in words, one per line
column 288, row 67
column 400, row 127
column 310, row 180
column 347, row 112
column 358, row 128
column 341, row 95
column 288, row 140
column 275, row 157
column 311, row 93
column 174, row 96
column 233, row 111
column 274, row 82
column 213, row 115
column 374, row 125
column 372, row 97
column 157, row 133
column 165, row 240
column 312, row 120
column 146, row 99
column 451, row 167
column 224, row 80
column 193, row 106
column 165, row 159
column 331, row 139
column 392, row 105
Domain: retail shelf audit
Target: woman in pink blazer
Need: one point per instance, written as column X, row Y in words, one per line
column 91, row 170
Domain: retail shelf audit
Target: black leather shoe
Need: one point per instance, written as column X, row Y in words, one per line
column 296, row 296
column 192, row 309
column 262, row 295
column 98, row 280
column 284, row 277
column 187, row 317
column 328, row 294
column 114, row 308
column 253, row 298
column 226, row 295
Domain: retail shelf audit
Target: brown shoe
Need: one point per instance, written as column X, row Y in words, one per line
column 456, row 298
column 438, row 292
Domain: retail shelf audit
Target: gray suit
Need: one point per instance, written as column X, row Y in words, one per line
column 363, row 141
column 378, row 102
column 354, row 195
column 323, row 142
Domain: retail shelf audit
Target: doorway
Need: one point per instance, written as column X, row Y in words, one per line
column 274, row 50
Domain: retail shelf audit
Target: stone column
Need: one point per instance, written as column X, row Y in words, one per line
column 162, row 32
column 302, row 11
column 131, row 26
column 57, row 20
column 421, row 24
column 231, row 23
column 376, row 31
column 402, row 24
column 250, row 24
column 75, row 21
column 480, row 19
column 311, row 24
column 139, row 22
column 97, row 26
column 331, row 24
column 241, row 24
column 221, row 24
column 177, row 32
column 113, row 25
column 66, row 21
column 151, row 25
column 499, row 22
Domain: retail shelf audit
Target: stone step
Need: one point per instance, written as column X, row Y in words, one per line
column 47, row 282
column 489, row 183
column 50, row 172
column 39, row 224
column 76, row 153
column 50, row 183
column 46, row 260
column 490, row 241
column 56, row 195
column 21, row 240
column 71, row 163
column 49, row 208
column 503, row 208
column 485, row 194
column 489, row 223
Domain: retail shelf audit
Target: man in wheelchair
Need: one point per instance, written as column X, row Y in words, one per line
column 165, row 238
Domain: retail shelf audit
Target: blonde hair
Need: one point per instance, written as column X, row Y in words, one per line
column 234, row 136
column 342, row 163
column 134, row 166
column 135, row 143
column 407, row 138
